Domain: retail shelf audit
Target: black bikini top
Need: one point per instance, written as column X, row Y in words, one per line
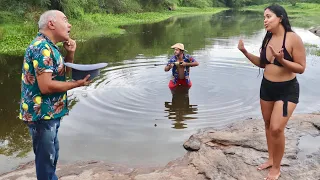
column 263, row 54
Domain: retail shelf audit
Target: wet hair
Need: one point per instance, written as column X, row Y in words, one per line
column 280, row 12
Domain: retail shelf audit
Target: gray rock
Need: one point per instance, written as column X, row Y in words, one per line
column 315, row 30
column 193, row 144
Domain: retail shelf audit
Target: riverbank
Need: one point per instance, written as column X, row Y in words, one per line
column 231, row 153
column 17, row 31
column 300, row 9
column 316, row 31
column 304, row 14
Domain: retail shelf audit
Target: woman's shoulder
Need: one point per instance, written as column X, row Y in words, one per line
column 294, row 36
column 294, row 39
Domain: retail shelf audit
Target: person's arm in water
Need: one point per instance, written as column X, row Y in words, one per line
column 253, row 58
column 169, row 65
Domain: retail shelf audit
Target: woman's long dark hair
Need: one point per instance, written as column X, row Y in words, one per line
column 281, row 13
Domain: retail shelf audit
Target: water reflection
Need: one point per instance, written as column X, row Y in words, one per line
column 150, row 40
column 180, row 109
column 14, row 135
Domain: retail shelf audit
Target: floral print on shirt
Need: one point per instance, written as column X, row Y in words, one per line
column 175, row 74
column 42, row 56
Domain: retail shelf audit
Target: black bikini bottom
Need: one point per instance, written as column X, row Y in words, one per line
column 285, row 91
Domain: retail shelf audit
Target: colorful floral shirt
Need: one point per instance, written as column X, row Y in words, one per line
column 41, row 56
column 175, row 74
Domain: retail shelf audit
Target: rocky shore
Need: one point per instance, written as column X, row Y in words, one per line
column 315, row 30
column 229, row 154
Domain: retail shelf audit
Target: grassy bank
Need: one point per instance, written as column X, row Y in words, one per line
column 304, row 14
column 16, row 32
column 312, row 49
column 300, row 9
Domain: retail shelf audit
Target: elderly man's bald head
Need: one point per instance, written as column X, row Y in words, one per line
column 46, row 17
column 54, row 24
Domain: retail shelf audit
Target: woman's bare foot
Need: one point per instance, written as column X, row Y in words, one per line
column 273, row 174
column 265, row 165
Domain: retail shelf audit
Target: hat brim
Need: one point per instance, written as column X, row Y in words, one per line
column 80, row 71
column 172, row 47
column 86, row 67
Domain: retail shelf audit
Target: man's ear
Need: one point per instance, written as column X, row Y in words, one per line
column 51, row 25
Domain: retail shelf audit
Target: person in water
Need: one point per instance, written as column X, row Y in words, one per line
column 282, row 55
column 180, row 64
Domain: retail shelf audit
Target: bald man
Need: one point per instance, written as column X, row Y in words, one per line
column 44, row 89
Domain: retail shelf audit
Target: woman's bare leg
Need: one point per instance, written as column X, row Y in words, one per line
column 266, row 109
column 277, row 126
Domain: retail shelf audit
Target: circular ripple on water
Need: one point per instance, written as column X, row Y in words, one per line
column 137, row 94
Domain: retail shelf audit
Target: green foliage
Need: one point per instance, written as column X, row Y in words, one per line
column 197, row 3
column 293, row 2
column 303, row 14
column 17, row 33
column 312, row 49
column 74, row 8
column 77, row 8
column 90, row 18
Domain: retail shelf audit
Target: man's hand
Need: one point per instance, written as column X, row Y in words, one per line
column 70, row 45
column 168, row 67
column 184, row 64
column 49, row 86
column 84, row 81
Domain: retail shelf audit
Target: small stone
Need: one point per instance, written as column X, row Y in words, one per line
column 193, row 144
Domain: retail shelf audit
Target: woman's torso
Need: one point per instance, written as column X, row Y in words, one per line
column 273, row 70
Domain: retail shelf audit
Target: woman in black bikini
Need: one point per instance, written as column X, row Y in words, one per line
column 282, row 55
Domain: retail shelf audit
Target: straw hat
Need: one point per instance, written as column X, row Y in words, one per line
column 179, row 46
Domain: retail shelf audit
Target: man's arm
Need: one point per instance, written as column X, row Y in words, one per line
column 44, row 66
column 196, row 63
column 169, row 65
column 70, row 46
column 69, row 58
column 49, row 86
column 192, row 62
